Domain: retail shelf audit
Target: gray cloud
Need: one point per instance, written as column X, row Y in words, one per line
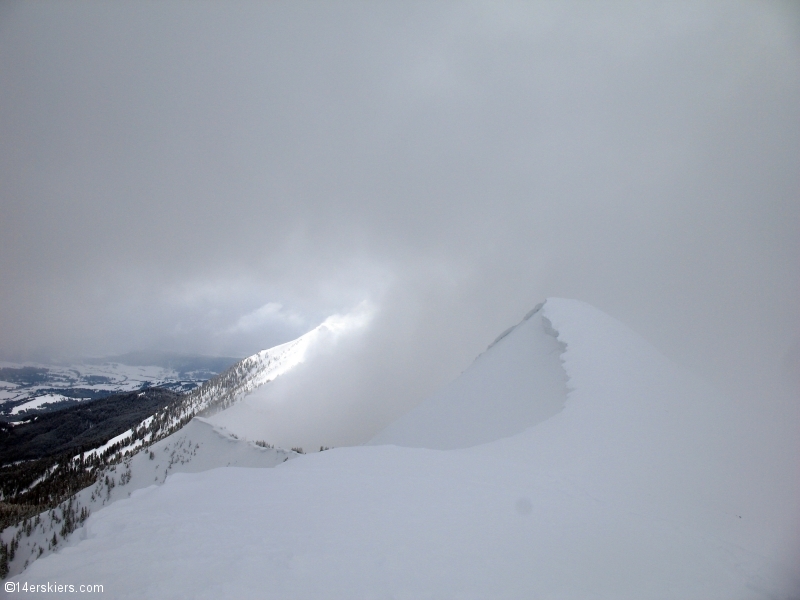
column 167, row 170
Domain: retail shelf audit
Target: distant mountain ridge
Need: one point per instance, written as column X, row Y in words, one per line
column 181, row 363
column 27, row 389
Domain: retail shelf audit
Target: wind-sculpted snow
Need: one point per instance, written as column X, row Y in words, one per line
column 635, row 488
column 515, row 384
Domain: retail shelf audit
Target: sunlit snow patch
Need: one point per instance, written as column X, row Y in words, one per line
column 281, row 359
column 253, row 417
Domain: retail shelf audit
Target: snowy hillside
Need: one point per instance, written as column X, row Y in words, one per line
column 38, row 472
column 197, row 447
column 571, row 460
column 287, row 416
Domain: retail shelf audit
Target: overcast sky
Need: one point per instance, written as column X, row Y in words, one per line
column 218, row 178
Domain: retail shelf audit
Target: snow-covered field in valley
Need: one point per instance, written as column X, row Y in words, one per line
column 47, row 385
column 571, row 460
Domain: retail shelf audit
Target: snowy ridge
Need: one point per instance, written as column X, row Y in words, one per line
column 226, row 389
column 172, row 422
column 251, row 373
column 633, row 487
column 229, row 387
column 515, row 384
column 261, row 368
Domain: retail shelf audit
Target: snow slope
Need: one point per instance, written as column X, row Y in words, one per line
column 515, row 384
column 257, row 370
column 634, row 489
column 255, row 411
column 197, row 447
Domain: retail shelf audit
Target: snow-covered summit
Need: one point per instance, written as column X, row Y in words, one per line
column 516, row 383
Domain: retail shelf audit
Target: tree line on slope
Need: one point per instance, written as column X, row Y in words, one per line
column 31, row 483
column 43, row 462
